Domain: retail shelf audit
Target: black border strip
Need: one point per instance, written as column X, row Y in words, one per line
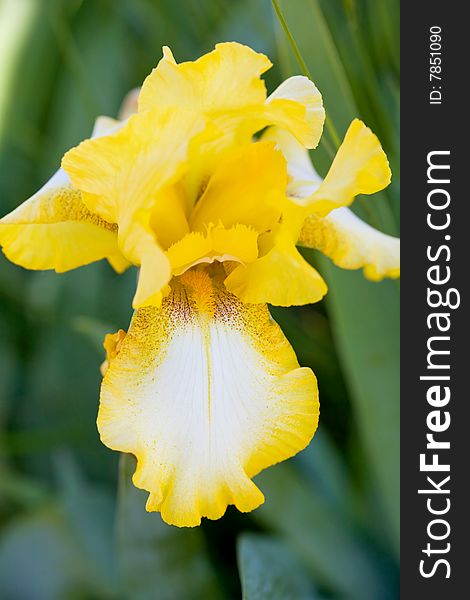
column 426, row 128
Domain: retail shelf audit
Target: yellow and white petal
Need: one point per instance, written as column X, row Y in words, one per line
column 297, row 106
column 124, row 175
column 228, row 78
column 359, row 167
column 248, row 187
column 121, row 173
column 205, row 392
column 303, row 180
column 55, row 230
column 281, row 277
column 351, row 243
column 341, row 235
column 238, row 243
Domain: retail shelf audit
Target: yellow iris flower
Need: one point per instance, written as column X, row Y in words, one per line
column 204, row 389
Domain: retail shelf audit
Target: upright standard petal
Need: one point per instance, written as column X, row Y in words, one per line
column 351, row 243
column 121, row 174
column 226, row 79
column 297, row 106
column 206, row 392
column 225, row 86
column 247, row 187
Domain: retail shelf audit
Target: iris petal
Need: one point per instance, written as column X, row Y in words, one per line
column 297, row 106
column 359, row 167
column 228, row 78
column 351, row 243
column 238, row 243
column 206, row 392
column 54, row 229
column 120, row 174
column 281, row 277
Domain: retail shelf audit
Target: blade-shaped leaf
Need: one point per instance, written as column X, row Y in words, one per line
column 325, row 540
column 270, row 571
column 365, row 321
column 40, row 559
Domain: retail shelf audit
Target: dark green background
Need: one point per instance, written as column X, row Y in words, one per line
column 329, row 527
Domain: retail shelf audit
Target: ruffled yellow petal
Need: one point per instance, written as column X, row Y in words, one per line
column 281, row 277
column 360, row 167
column 297, row 106
column 226, row 79
column 206, row 392
column 248, row 187
column 126, row 175
column 55, row 230
column 225, row 87
column 351, row 243
column 239, row 243
column 122, row 173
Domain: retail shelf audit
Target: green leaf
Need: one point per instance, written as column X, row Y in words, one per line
column 156, row 559
column 365, row 321
column 19, row 490
column 323, row 466
column 270, row 571
column 28, row 60
column 326, row 541
column 89, row 511
column 40, row 560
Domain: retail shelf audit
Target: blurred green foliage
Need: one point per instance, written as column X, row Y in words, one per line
column 329, row 527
